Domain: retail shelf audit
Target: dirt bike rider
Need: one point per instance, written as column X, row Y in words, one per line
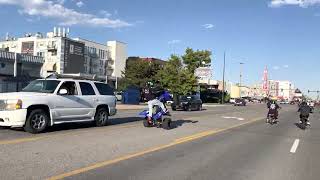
column 156, row 97
column 304, row 110
column 273, row 109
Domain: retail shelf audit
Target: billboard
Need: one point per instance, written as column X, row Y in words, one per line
column 73, row 56
column 27, row 47
column 203, row 72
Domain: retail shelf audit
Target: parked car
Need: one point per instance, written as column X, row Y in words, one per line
column 284, row 102
column 240, row 102
column 46, row 102
column 232, row 100
column 187, row 103
column 118, row 96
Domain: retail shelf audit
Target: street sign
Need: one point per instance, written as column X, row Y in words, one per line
column 203, row 72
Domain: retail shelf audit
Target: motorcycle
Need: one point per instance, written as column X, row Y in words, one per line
column 303, row 122
column 159, row 119
column 271, row 119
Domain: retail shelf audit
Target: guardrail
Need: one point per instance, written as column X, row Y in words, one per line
column 31, row 59
column 7, row 55
column 21, row 57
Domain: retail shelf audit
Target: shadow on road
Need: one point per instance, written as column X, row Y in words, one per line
column 2, row 127
column 181, row 110
column 300, row 126
column 178, row 123
column 112, row 121
column 84, row 125
column 115, row 121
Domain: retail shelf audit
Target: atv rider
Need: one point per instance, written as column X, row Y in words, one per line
column 156, row 96
column 304, row 110
column 273, row 109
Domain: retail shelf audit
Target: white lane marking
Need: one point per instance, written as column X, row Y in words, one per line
column 295, row 146
column 227, row 117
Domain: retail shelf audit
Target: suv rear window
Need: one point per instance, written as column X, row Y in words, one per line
column 104, row 89
column 86, row 89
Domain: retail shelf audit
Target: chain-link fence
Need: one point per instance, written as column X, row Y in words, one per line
column 12, row 86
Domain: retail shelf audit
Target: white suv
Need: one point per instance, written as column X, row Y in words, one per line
column 46, row 102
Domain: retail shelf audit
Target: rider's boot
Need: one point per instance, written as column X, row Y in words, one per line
column 308, row 122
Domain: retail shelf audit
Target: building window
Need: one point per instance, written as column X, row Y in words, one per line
column 103, row 54
column 86, row 50
column 41, row 54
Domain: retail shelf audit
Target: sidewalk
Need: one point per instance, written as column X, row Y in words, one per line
column 131, row 106
column 142, row 106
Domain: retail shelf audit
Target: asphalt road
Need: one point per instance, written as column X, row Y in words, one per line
column 218, row 143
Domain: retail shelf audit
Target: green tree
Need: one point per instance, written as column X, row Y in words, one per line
column 138, row 73
column 176, row 78
column 194, row 59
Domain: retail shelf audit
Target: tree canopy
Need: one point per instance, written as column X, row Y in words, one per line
column 194, row 59
column 138, row 73
column 176, row 78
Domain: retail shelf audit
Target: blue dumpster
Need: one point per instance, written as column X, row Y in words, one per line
column 131, row 96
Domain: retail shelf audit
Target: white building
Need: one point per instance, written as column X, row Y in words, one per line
column 118, row 52
column 286, row 90
column 69, row 56
column 281, row 89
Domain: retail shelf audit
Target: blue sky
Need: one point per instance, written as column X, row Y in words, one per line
column 280, row 34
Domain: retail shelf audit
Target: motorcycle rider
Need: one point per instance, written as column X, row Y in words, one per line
column 304, row 110
column 154, row 96
column 273, row 109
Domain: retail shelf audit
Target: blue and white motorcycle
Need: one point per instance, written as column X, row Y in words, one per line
column 159, row 118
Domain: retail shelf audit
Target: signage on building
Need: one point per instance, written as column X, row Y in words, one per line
column 203, row 72
column 73, row 57
column 27, row 47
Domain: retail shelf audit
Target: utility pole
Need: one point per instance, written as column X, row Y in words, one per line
column 223, row 82
column 240, row 83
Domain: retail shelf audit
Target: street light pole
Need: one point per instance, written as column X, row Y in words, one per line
column 223, row 82
column 240, row 83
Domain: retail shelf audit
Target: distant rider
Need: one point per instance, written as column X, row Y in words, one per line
column 155, row 95
column 273, row 109
column 304, row 110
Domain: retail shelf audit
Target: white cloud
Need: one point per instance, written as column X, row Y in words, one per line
column 208, row 26
column 105, row 13
column 31, row 20
column 286, row 66
column 175, row 41
column 60, row 1
column 79, row 4
column 66, row 16
column 276, row 67
column 300, row 3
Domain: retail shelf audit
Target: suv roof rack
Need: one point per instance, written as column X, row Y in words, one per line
column 79, row 76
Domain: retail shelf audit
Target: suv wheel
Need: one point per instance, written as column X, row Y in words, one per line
column 37, row 121
column 102, row 116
